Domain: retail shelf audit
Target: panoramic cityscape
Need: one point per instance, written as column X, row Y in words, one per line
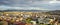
column 29, row 12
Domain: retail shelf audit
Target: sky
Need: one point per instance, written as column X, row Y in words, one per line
column 30, row 4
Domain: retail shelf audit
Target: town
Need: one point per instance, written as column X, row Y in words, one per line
column 28, row 18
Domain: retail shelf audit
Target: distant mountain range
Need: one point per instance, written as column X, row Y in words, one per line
column 56, row 12
column 12, row 10
column 47, row 11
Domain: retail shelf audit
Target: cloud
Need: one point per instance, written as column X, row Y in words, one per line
column 27, row 8
column 29, row 4
column 21, row 8
column 23, row 2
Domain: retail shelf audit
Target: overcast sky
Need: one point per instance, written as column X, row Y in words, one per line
column 29, row 5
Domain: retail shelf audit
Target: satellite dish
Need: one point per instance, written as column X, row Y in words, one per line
column 54, row 1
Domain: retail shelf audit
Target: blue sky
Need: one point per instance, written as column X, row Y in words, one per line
column 28, row 5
